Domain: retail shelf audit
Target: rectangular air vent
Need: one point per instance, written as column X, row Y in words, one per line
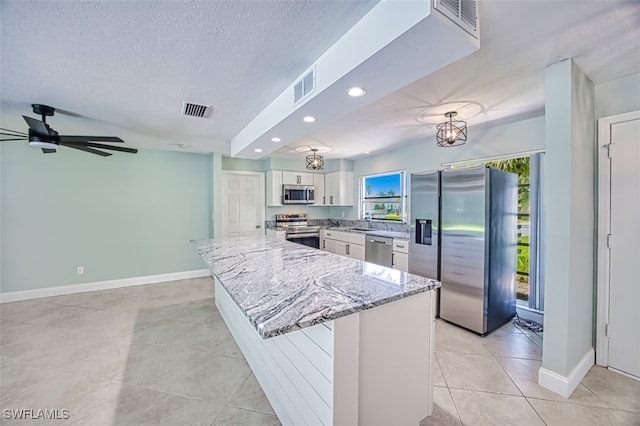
column 463, row 12
column 306, row 85
column 196, row 110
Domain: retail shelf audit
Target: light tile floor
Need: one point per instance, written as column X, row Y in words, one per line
column 161, row 354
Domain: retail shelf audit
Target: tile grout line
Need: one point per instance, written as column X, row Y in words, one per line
column 455, row 405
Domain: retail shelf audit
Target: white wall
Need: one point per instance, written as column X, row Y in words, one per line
column 618, row 96
column 486, row 141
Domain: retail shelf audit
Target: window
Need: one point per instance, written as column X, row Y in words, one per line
column 530, row 288
column 383, row 197
column 529, row 276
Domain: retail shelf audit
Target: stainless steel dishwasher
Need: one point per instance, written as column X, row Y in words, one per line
column 378, row 250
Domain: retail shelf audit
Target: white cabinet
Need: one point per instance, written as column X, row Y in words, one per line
column 349, row 244
column 327, row 241
column 297, row 178
column 356, row 251
column 339, row 188
column 274, row 187
column 400, row 261
column 400, row 256
column 318, row 183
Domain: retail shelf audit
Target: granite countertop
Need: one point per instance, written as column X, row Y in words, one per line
column 283, row 286
column 374, row 232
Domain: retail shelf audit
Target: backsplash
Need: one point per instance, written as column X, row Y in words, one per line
column 346, row 223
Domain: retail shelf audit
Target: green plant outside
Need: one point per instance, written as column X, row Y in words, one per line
column 521, row 167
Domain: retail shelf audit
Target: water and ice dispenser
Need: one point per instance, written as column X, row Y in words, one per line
column 423, row 231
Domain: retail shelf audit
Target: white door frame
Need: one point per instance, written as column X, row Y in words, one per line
column 604, row 228
column 261, row 202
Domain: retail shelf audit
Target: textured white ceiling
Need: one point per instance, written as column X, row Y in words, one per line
column 503, row 81
column 124, row 68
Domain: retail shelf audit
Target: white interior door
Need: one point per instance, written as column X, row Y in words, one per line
column 243, row 212
column 624, row 278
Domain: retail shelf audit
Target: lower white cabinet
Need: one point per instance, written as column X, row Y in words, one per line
column 400, row 261
column 400, row 255
column 347, row 244
column 327, row 241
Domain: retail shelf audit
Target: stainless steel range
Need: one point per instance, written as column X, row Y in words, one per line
column 298, row 230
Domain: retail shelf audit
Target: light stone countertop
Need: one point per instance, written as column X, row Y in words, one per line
column 281, row 286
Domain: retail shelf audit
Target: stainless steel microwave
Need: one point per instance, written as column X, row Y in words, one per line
column 298, row 194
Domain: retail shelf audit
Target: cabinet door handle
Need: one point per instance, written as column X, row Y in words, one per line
column 324, row 200
column 298, row 179
column 348, row 249
column 324, row 244
column 393, row 259
column 399, row 246
column 331, row 199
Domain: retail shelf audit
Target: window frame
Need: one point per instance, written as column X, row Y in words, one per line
column 403, row 197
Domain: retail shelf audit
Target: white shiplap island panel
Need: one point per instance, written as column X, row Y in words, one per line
column 366, row 359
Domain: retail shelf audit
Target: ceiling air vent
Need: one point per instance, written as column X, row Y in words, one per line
column 463, row 12
column 196, row 110
column 306, row 85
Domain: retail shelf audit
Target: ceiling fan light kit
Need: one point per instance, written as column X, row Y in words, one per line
column 452, row 132
column 42, row 136
column 315, row 161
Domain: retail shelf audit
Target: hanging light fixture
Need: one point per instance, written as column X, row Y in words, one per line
column 451, row 133
column 315, row 161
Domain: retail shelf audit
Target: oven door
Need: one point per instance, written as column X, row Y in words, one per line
column 307, row 240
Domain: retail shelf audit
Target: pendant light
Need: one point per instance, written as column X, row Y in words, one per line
column 451, row 133
column 314, row 161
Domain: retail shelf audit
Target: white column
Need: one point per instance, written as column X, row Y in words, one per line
column 570, row 227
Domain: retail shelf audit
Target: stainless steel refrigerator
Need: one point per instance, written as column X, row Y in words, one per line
column 477, row 233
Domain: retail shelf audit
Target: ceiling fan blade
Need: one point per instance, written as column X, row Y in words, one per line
column 87, row 149
column 114, row 148
column 13, row 132
column 13, row 139
column 65, row 138
column 48, row 150
column 37, row 126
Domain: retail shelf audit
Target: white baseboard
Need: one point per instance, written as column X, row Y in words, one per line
column 564, row 386
column 14, row 296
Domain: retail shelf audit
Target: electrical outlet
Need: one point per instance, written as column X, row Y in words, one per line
column 80, row 270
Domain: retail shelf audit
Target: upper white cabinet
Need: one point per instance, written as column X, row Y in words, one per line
column 331, row 189
column 274, row 187
column 338, row 188
column 318, row 183
column 297, row 178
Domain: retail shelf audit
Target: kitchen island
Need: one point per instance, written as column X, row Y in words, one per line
column 331, row 340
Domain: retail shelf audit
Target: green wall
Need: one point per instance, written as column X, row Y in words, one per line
column 119, row 217
column 569, row 216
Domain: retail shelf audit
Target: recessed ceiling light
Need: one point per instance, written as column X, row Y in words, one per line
column 309, row 119
column 367, row 152
column 257, row 150
column 276, row 140
column 356, row 92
